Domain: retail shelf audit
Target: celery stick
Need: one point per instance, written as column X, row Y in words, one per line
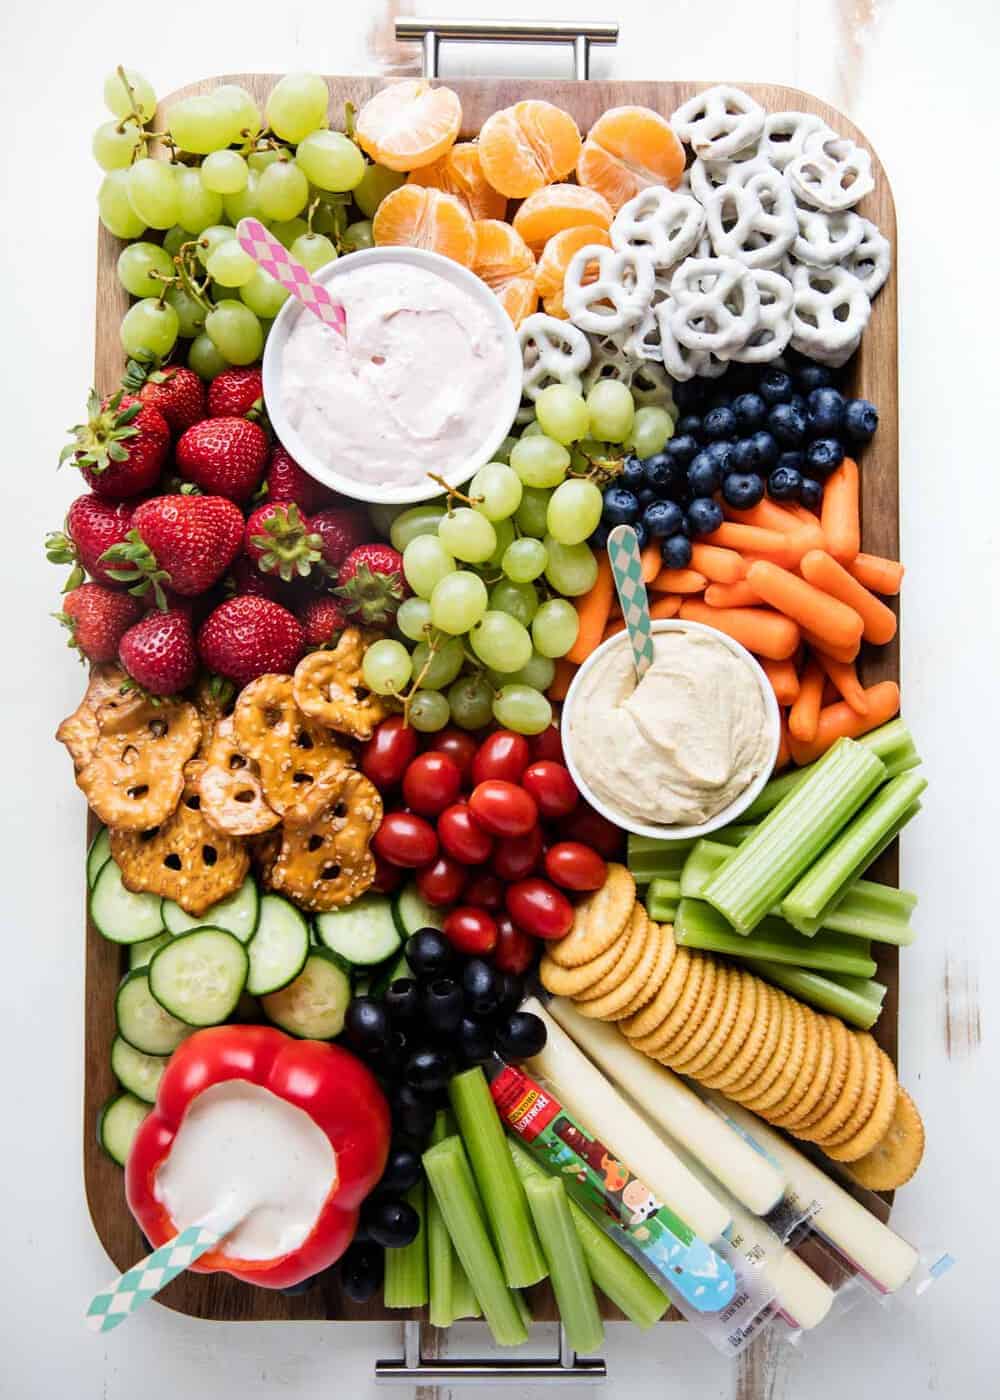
column 701, row 865
column 892, row 743
column 662, row 899
column 523, row 1310
column 617, row 1275
column 406, row 1269
column 824, row 992
column 767, row 864
column 649, row 858
column 878, row 912
column 498, row 1183
column 464, row 1302
column 698, row 925
column 567, row 1265
column 865, row 987
column 441, row 1257
column 451, row 1180
column 733, row 835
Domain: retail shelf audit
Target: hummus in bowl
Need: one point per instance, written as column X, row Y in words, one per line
column 683, row 751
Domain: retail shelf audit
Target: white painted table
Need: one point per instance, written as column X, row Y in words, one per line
column 920, row 79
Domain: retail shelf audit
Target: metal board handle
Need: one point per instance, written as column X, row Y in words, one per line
column 413, row 1369
column 581, row 34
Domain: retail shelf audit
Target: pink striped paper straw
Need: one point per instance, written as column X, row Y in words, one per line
column 275, row 259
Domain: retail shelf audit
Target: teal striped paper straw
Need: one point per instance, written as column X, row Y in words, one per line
column 626, row 566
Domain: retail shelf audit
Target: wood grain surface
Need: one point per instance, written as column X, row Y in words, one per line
column 873, row 374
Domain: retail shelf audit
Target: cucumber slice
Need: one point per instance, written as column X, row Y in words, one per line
column 98, row 856
column 138, row 1073
column 120, row 915
column 313, row 1006
column 279, row 948
column 199, row 976
column 141, row 954
column 412, row 912
column 141, row 1019
column 365, row 933
column 237, row 914
column 118, row 1124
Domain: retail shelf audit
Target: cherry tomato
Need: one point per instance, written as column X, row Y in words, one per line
column 518, row 856
column 441, row 882
column 387, row 877
column 431, row 783
column 405, row 839
column 552, row 787
column 503, row 755
column 539, row 908
column 389, row 752
column 515, row 950
column 503, row 808
column 462, row 836
column 470, row 930
column 591, row 829
column 575, row 866
column 484, row 889
column 457, row 744
column 547, row 745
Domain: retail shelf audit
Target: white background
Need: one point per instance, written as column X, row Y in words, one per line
column 919, row 77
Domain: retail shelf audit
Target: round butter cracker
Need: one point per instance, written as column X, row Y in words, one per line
column 834, row 1082
column 870, row 1084
column 609, row 1007
column 845, row 1102
column 690, row 973
column 714, row 1018
column 872, row 1133
column 598, row 921
column 761, row 1013
column 765, row 1051
column 644, row 1022
column 897, row 1156
column 658, row 976
column 733, row 1028
column 807, row 1069
column 791, row 1063
column 571, row 981
column 671, row 1047
column 636, row 936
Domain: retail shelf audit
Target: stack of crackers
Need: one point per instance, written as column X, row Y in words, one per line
column 711, row 1019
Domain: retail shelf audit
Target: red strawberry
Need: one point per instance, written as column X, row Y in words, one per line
column 225, row 456
column 121, row 447
column 177, row 392
column 236, row 393
column 286, row 481
column 185, row 541
column 159, row 653
column 278, row 540
column 246, row 637
column 323, row 619
column 97, row 618
column 247, row 578
column 92, row 526
column 371, row 582
column 341, row 530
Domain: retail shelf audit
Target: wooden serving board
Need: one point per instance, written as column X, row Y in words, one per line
column 874, row 375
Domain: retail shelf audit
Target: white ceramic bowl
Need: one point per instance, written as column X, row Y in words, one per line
column 319, row 467
column 739, row 804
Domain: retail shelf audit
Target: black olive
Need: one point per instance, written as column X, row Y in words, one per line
column 428, row 1071
column 511, row 992
column 402, row 1170
column 413, row 1113
column 443, row 1005
column 361, row 1270
column 429, row 953
column 366, row 1024
column 475, row 1044
column 392, row 1223
column 481, row 985
column 402, row 1000
column 520, row 1036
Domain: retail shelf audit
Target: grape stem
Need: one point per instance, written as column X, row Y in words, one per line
column 454, row 493
column 187, row 281
column 433, row 643
column 601, row 468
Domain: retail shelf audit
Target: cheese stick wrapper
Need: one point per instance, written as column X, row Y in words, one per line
column 748, row 1176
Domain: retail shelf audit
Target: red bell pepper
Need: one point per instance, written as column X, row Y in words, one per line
column 336, row 1090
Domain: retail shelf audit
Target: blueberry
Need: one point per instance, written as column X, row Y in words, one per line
column 798, row 401
column 776, row 386
column 811, row 493
column 742, row 457
column 721, row 453
column 823, row 457
column 784, row 484
column 795, row 460
column 787, row 423
column 662, row 518
column 720, row 424
column 641, row 533
column 812, row 376
column 704, row 515
column 633, row 473
column 675, row 551
column 646, row 495
column 621, row 506
column 682, row 447
column 704, row 475
column 749, row 410
column 600, row 536
column 690, row 395
column 860, row 420
column 690, row 425
column 741, row 490
column 764, row 451
column 665, row 474
column 826, row 412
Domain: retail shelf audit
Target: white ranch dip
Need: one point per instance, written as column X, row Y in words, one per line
column 238, row 1141
column 417, row 386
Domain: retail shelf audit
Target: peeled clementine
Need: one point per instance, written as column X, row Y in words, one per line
column 408, row 124
column 460, row 173
column 505, row 262
column 422, row 217
column 627, row 149
column 527, row 146
column 556, row 207
column 551, row 270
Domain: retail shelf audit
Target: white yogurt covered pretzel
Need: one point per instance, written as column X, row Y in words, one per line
column 719, row 122
column 824, row 240
column 680, row 362
column 871, row 258
column 660, row 222
column 642, row 341
column 652, row 387
column 832, row 173
column 754, row 222
column 715, row 305
column 553, row 352
column 784, row 135
column 706, row 176
column 608, row 360
column 774, row 323
column 618, row 296
column 829, row 312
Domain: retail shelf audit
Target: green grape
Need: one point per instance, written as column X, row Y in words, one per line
column 505, row 533
column 429, row 711
column 572, row 568
column 539, row 461
column 539, row 674
column 297, row 105
column 137, row 262
column 235, row 332
column 525, row 560
column 243, row 205
column 532, row 513
column 260, row 160
column 458, row 602
column 611, row 409
column 113, row 206
column 522, row 709
column 425, row 563
column 532, row 429
column 652, row 429
column 282, row 191
column 200, row 124
column 562, row 413
column 210, row 238
column 204, row 359
column 174, row 239
column 382, row 515
column 442, row 667
column 119, row 101
column 467, row 535
column 500, row 488
column 358, row 236
column 313, row 250
column 229, row 265
column 555, row 627
column 263, row 295
column 418, row 520
column 413, row 618
column 386, row 667
column 374, row 185
column 190, row 313
column 331, row 161
column 149, row 326
column 323, row 218
column 114, row 146
column 224, row 172
column 287, row 230
column 198, row 208
column 518, row 599
column 470, row 701
column 502, row 454
column 241, row 108
column 501, row 642
column 574, row 511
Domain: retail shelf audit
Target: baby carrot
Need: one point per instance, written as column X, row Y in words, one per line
column 845, row 653
column 836, row 721
column 668, row 605
column 652, row 562
column 880, row 575
column 802, row 513
column 803, row 717
column 565, row 671
column 844, row 677
column 784, row 680
column 823, row 571
column 840, row 519
column 751, row 539
column 612, row 630
column 801, row 540
column 679, row 581
column 731, row 595
column 784, row 754
column 593, row 609
column 765, row 515
column 718, row 565
column 825, row 617
column 761, row 631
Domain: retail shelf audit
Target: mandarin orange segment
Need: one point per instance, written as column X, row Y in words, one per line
column 423, row 217
column 627, row 149
column 506, row 264
column 409, row 124
column 556, row 255
column 460, row 173
column 527, row 146
column 557, row 207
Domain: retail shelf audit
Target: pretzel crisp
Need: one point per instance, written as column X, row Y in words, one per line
column 290, row 749
column 78, row 731
column 325, row 861
column 183, row 859
column 211, row 708
column 232, row 798
column 329, row 686
column 135, row 776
